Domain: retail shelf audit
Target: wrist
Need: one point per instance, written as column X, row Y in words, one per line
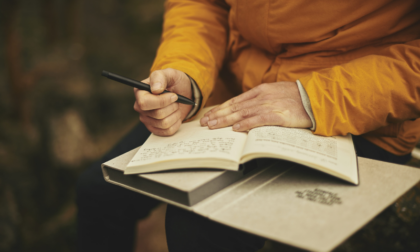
column 196, row 97
column 306, row 103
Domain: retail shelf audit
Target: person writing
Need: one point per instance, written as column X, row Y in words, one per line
column 333, row 67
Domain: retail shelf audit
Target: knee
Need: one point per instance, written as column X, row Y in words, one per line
column 187, row 231
column 182, row 230
column 94, row 194
column 90, row 185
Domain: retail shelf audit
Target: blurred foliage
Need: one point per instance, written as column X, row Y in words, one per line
column 57, row 113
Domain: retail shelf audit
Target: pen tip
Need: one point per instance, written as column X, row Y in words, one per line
column 104, row 73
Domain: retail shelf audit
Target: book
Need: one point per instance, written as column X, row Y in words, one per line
column 194, row 146
column 290, row 203
column 186, row 187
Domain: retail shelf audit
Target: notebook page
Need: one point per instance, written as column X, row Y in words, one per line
column 191, row 142
column 334, row 155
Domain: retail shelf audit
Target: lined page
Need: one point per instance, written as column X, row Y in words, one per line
column 190, row 143
column 334, row 155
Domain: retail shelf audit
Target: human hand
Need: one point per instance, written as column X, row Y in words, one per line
column 159, row 112
column 276, row 103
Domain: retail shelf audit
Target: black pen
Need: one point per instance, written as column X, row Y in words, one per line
column 142, row 86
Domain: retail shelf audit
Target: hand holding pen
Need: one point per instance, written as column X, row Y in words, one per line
column 142, row 86
column 160, row 109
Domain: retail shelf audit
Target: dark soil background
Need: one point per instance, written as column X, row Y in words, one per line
column 58, row 115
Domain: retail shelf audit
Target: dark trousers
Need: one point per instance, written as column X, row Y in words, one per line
column 107, row 214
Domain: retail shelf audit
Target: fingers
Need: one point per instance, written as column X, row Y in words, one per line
column 228, row 120
column 267, row 104
column 233, row 105
column 158, row 81
column 166, row 78
column 147, row 81
column 232, row 118
column 146, row 101
column 234, row 101
column 158, row 113
column 260, row 120
column 162, row 122
column 234, row 108
column 162, row 127
column 233, row 113
column 165, row 123
column 165, row 132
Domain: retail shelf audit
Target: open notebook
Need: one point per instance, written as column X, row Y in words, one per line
column 195, row 147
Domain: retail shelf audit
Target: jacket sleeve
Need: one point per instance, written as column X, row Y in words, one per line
column 194, row 40
column 368, row 93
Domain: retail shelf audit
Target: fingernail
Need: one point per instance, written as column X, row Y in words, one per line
column 204, row 121
column 157, row 86
column 212, row 123
column 174, row 98
column 236, row 126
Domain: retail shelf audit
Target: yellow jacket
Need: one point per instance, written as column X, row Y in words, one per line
column 359, row 61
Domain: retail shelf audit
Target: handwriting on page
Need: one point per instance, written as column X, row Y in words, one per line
column 298, row 138
column 198, row 146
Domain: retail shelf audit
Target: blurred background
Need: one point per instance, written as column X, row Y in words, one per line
column 58, row 115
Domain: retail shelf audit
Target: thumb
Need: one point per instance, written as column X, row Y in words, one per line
column 158, row 82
